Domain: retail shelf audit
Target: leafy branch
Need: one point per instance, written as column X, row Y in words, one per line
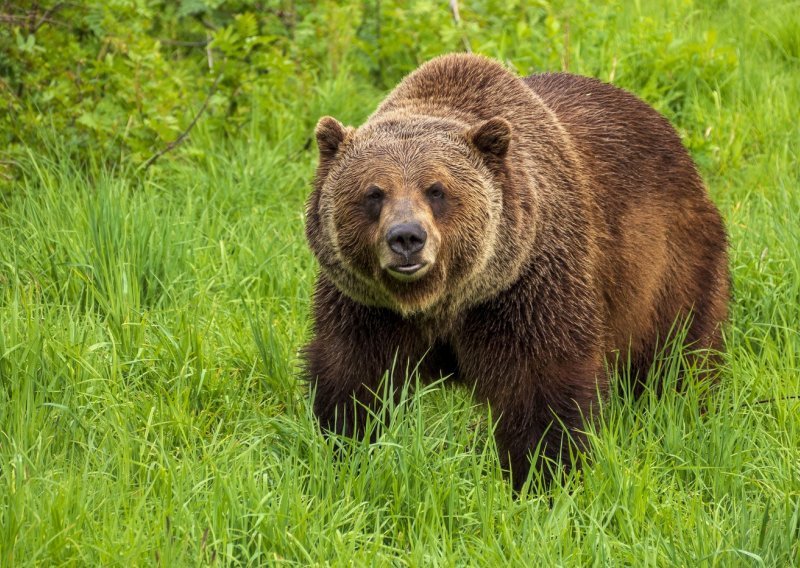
column 183, row 135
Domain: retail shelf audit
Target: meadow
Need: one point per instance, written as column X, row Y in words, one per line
column 151, row 410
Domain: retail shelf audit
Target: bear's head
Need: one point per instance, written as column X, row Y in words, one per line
column 405, row 210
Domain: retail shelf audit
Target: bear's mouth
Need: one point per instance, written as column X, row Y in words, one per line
column 408, row 272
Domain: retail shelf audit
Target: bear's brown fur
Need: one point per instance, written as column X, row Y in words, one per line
column 517, row 234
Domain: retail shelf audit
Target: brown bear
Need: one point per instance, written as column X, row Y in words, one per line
column 515, row 234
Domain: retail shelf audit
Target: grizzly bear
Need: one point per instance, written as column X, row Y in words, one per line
column 516, row 235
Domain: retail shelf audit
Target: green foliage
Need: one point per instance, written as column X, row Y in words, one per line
column 150, row 411
column 123, row 79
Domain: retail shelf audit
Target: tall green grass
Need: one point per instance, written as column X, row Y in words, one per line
column 150, row 411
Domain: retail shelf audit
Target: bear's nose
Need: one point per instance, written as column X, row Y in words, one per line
column 406, row 238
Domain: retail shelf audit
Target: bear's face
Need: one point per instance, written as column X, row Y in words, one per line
column 407, row 212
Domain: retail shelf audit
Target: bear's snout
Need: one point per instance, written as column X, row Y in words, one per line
column 408, row 251
column 406, row 239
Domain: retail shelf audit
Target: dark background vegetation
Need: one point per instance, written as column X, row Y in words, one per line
column 122, row 79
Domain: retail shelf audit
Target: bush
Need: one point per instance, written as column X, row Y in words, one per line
column 121, row 79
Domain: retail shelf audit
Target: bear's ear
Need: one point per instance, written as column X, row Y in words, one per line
column 330, row 134
column 491, row 137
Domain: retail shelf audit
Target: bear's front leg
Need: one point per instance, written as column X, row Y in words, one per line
column 541, row 394
column 547, row 419
column 541, row 410
column 352, row 349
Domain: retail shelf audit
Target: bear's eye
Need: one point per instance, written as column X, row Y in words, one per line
column 436, row 191
column 374, row 193
column 373, row 202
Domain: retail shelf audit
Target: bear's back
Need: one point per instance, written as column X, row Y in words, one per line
column 657, row 218
column 624, row 143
